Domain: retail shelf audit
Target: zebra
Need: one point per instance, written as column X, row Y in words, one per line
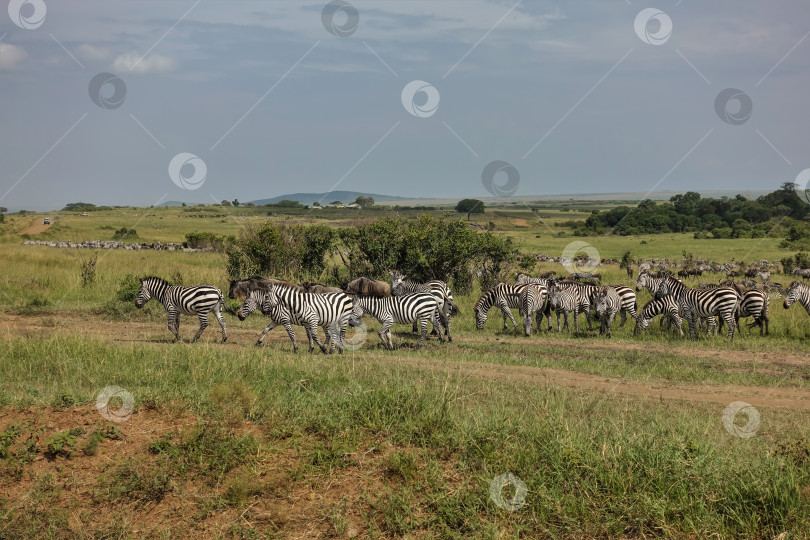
column 523, row 279
column 607, row 303
column 797, row 292
column 402, row 284
column 199, row 301
column 695, row 303
column 330, row 310
column 665, row 305
column 279, row 315
column 568, row 301
column 419, row 307
column 533, row 299
column 755, row 304
column 502, row 295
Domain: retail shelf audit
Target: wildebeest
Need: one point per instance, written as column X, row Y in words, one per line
column 317, row 288
column 364, row 286
column 240, row 288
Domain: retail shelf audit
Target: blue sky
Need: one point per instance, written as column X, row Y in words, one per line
column 272, row 102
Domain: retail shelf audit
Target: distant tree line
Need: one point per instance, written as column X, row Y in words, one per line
column 726, row 217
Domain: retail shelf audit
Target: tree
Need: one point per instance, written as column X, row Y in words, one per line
column 316, row 203
column 364, row 201
column 235, row 202
column 470, row 206
column 226, row 202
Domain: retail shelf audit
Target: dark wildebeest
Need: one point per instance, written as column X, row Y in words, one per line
column 364, row 286
column 317, row 288
column 630, row 272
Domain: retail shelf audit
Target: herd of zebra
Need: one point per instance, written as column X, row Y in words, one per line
column 405, row 301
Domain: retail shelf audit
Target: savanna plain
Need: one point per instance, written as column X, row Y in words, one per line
column 609, row 438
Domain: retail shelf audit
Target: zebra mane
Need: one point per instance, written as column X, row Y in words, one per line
column 160, row 280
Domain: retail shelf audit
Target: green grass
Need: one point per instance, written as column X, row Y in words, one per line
column 421, row 434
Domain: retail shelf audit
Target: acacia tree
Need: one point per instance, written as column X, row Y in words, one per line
column 470, row 206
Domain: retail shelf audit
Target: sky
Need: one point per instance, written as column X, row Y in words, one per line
column 137, row 102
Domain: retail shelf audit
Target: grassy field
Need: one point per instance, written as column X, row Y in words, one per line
column 630, row 437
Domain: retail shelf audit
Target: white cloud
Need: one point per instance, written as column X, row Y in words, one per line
column 134, row 63
column 93, row 53
column 10, row 55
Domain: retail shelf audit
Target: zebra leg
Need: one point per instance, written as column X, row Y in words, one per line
column 576, row 320
column 558, row 321
column 436, row 315
column 385, row 335
column 267, row 329
column 623, row 314
column 174, row 324
column 732, row 325
column 221, row 320
column 203, row 325
column 415, row 328
column 587, row 316
column 288, row 327
column 547, row 313
column 423, row 333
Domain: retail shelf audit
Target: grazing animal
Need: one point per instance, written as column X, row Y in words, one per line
column 199, row 301
column 317, row 288
column 798, row 292
column 402, row 284
column 696, row 303
column 630, row 272
column 419, row 307
column 533, row 299
column 240, row 288
column 755, row 304
column 364, row 286
column 666, row 306
column 502, row 295
column 565, row 301
column 330, row 310
column 607, row 303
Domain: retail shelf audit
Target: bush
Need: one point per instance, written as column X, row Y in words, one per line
column 88, row 268
column 128, row 288
column 209, row 240
column 125, row 234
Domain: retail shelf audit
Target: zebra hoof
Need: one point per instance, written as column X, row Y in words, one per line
column 224, row 340
column 257, row 344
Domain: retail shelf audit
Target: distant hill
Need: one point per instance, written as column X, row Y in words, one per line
column 326, row 198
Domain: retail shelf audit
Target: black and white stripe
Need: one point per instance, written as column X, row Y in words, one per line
column 607, row 303
column 279, row 316
column 696, row 303
column 798, row 292
column 568, row 300
column 330, row 310
column 666, row 306
column 755, row 304
column 503, row 296
column 402, row 285
column 417, row 307
column 533, row 299
column 199, row 301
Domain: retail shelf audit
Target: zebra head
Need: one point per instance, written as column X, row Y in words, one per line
column 522, row 278
column 250, row 304
column 792, row 294
column 662, row 290
column 356, row 318
column 643, row 280
column 600, row 301
column 643, row 320
column 397, row 278
column 144, row 294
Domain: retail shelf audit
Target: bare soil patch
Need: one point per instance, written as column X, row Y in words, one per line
column 36, row 227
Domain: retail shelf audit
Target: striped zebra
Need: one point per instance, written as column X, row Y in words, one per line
column 417, row 307
column 583, row 298
column 755, row 304
column 696, row 303
column 533, row 299
column 502, row 295
column 607, row 303
column 330, row 310
column 523, row 279
column 798, row 292
column 278, row 314
column 199, row 301
column 666, row 306
column 402, row 285
column 567, row 301
column 628, row 300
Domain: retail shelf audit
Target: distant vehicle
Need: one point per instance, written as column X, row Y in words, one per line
column 85, row 213
column 47, row 221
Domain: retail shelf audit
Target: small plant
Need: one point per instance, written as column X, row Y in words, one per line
column 88, row 268
column 64, row 400
column 128, row 289
column 62, row 443
column 98, row 436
